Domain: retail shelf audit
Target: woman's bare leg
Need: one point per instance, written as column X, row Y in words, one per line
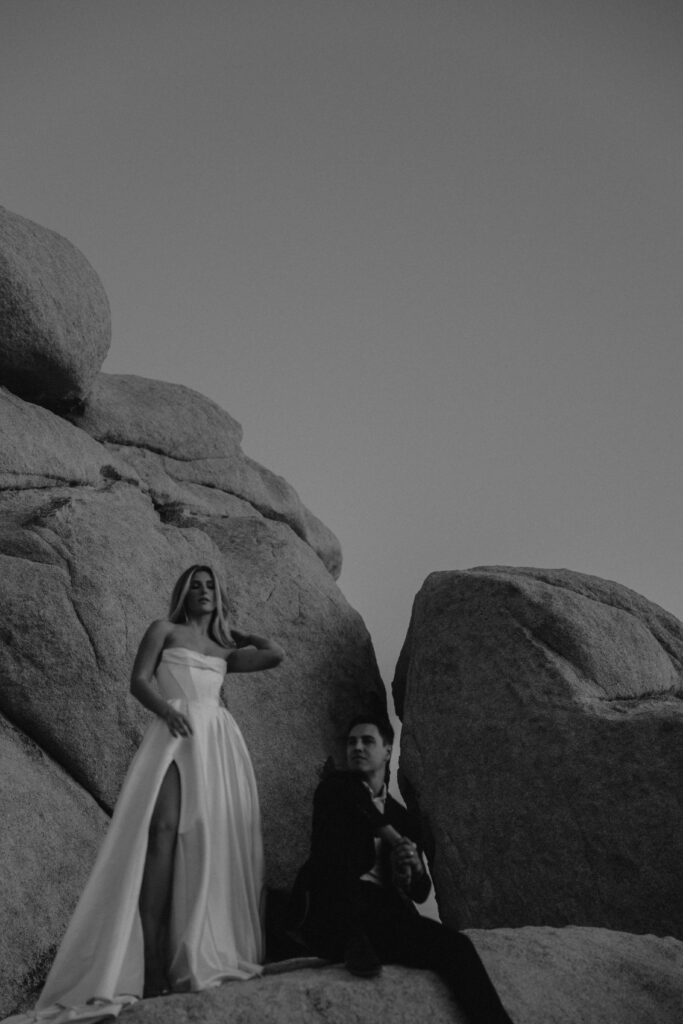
column 155, row 893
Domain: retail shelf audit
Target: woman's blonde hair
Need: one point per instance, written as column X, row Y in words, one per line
column 219, row 629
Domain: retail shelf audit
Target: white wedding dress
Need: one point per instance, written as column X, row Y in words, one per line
column 215, row 927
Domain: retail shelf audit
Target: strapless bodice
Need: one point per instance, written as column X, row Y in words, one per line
column 183, row 674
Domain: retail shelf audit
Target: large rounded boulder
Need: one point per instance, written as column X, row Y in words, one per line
column 55, row 323
column 542, row 742
column 111, row 486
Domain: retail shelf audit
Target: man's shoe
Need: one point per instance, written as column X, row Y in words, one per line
column 360, row 958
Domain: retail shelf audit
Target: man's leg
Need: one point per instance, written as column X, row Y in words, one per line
column 335, row 928
column 398, row 936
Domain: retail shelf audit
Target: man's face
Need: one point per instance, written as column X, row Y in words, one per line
column 366, row 751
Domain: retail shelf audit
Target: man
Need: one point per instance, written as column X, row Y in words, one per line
column 365, row 870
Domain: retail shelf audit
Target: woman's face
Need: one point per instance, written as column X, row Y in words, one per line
column 201, row 597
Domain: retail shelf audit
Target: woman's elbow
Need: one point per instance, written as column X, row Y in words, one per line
column 137, row 685
column 277, row 656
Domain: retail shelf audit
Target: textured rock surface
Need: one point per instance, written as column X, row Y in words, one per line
column 38, row 450
column 88, row 555
column 187, row 450
column 544, row 976
column 50, row 831
column 584, row 975
column 543, row 742
column 55, row 325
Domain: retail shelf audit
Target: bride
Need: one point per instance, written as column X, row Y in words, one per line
column 173, row 900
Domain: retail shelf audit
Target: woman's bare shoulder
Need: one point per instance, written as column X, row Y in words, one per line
column 160, row 629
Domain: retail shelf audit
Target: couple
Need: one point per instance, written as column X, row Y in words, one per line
column 184, row 844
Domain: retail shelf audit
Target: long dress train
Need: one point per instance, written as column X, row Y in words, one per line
column 215, row 927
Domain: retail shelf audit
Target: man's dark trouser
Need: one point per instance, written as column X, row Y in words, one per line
column 399, row 936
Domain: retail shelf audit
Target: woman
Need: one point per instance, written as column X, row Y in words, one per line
column 173, row 901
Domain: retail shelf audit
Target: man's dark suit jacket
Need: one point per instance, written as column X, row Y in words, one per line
column 343, row 849
column 343, row 908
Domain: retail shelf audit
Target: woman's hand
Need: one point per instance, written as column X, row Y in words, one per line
column 176, row 721
column 253, row 653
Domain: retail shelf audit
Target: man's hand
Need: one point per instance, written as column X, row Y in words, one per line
column 405, row 861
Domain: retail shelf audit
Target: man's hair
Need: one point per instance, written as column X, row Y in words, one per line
column 381, row 723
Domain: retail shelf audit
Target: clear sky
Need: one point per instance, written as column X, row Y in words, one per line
column 428, row 253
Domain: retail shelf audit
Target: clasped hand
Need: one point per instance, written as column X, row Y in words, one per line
column 404, row 857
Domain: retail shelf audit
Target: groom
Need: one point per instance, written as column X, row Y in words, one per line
column 365, row 870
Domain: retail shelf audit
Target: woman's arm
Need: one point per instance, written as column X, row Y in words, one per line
column 254, row 653
column 144, row 667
